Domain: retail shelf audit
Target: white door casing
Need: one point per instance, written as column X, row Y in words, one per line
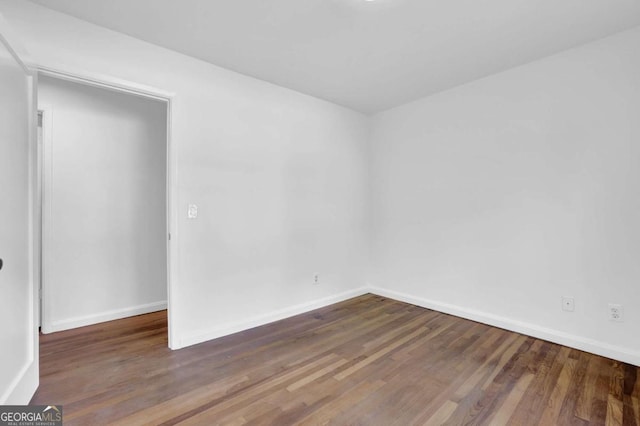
column 18, row 304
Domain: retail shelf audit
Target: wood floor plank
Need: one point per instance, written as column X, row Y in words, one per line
column 315, row 376
column 600, row 401
column 615, row 402
column 331, row 410
column 508, row 407
column 167, row 410
column 585, row 398
column 379, row 354
column 210, row 410
column 567, row 414
column 614, row 411
column 442, row 414
column 558, row 394
column 366, row 361
column 482, row 402
column 492, row 366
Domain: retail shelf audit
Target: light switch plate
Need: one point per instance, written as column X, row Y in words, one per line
column 193, row 211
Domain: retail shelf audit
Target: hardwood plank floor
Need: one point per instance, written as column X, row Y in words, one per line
column 365, row 361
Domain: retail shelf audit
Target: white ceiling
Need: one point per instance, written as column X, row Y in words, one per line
column 366, row 55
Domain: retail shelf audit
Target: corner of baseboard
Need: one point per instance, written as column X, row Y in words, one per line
column 619, row 353
column 256, row 321
column 21, row 389
column 82, row 321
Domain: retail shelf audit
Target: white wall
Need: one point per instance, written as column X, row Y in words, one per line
column 18, row 357
column 496, row 198
column 279, row 178
column 490, row 200
column 104, row 204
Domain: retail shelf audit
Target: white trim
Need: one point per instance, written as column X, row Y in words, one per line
column 26, row 382
column 105, row 82
column 258, row 320
column 31, row 378
column 115, row 314
column 23, row 386
column 566, row 339
column 46, row 183
column 172, row 223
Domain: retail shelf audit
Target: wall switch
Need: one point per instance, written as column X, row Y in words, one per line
column 568, row 304
column 193, row 211
column 316, row 279
column 616, row 312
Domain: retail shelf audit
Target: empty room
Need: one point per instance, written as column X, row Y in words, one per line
column 349, row 212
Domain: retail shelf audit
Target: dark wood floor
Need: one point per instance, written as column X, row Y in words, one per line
column 368, row 361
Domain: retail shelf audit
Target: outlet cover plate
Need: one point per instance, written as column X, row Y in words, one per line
column 616, row 312
column 568, row 304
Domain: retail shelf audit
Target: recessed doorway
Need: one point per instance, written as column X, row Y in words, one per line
column 103, row 188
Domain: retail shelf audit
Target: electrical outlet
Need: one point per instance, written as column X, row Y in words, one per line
column 616, row 312
column 316, row 279
column 568, row 304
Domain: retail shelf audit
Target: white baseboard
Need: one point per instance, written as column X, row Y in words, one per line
column 230, row 328
column 115, row 314
column 23, row 387
column 577, row 342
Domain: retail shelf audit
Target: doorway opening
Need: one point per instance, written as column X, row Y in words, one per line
column 103, row 187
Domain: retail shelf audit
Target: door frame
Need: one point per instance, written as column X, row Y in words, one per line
column 24, row 385
column 131, row 88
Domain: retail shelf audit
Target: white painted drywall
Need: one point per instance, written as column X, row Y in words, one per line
column 279, row 177
column 492, row 199
column 104, row 204
column 368, row 55
column 496, row 198
column 18, row 356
